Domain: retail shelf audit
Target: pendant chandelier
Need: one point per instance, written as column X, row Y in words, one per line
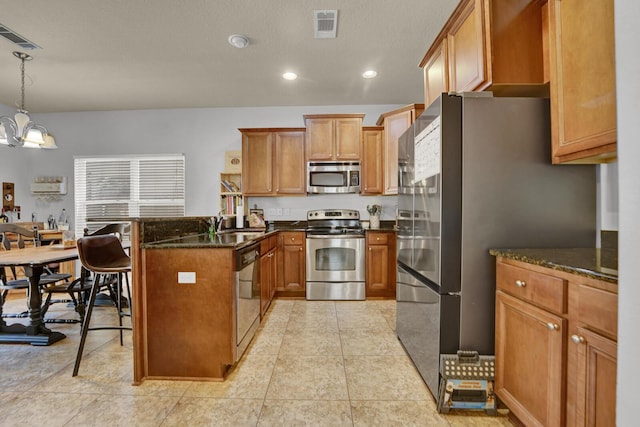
column 21, row 131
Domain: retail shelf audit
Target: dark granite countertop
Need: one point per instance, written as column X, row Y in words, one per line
column 232, row 240
column 595, row 263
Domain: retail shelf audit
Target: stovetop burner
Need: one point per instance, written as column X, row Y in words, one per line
column 333, row 222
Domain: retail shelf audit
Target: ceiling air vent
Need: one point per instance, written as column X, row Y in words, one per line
column 16, row 38
column 325, row 23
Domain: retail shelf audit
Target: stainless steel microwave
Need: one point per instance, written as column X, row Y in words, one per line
column 333, row 177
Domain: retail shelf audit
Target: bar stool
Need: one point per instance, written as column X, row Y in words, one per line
column 80, row 289
column 104, row 256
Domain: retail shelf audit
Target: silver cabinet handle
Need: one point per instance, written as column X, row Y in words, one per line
column 553, row 326
column 521, row 283
column 578, row 339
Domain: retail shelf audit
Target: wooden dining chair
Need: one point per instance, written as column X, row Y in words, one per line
column 17, row 237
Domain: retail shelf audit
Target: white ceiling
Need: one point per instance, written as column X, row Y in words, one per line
column 147, row 54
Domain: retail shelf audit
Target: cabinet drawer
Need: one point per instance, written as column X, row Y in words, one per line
column 543, row 290
column 374, row 238
column 292, row 238
column 596, row 308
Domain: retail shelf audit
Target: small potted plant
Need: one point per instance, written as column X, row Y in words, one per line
column 374, row 215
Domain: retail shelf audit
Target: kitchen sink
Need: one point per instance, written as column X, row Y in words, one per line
column 240, row 236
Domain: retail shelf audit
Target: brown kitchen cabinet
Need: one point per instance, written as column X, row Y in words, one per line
column 529, row 352
column 333, row 136
column 371, row 164
column 556, row 336
column 273, row 162
column 436, row 74
column 267, row 272
column 582, row 80
column 592, row 355
column 291, row 262
column 380, row 264
column 492, row 45
column 395, row 123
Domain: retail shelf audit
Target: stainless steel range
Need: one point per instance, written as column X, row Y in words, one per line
column 335, row 255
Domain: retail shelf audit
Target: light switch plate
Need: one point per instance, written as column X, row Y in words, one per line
column 186, row 277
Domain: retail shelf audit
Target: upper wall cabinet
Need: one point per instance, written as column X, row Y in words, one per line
column 488, row 45
column 264, row 152
column 395, row 123
column 582, row 86
column 371, row 164
column 333, row 137
column 436, row 74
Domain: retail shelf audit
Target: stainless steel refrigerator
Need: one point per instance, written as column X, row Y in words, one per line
column 474, row 174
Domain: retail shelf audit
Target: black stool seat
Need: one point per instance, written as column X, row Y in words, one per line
column 104, row 256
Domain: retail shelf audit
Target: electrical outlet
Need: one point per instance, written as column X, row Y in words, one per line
column 286, row 211
column 271, row 212
column 186, row 277
column 279, row 212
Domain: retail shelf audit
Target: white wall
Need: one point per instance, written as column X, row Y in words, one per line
column 203, row 135
column 627, row 15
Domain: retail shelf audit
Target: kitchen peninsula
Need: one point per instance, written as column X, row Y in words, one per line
column 184, row 315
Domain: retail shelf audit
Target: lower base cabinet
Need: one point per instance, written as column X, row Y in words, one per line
column 380, row 264
column 556, row 346
column 529, row 361
column 291, row 262
column 267, row 273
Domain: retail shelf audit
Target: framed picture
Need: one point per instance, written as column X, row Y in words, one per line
column 233, row 161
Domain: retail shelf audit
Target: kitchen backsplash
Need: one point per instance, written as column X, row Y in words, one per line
column 295, row 208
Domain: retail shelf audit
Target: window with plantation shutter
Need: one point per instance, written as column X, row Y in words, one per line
column 127, row 186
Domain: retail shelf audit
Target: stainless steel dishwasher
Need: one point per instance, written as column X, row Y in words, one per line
column 247, row 295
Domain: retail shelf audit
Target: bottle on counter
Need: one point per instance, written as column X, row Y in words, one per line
column 3, row 217
column 51, row 222
column 63, row 221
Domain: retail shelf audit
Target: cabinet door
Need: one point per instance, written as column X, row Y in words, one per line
column 380, row 264
column 594, row 376
column 466, row 50
column 348, row 136
column 257, row 160
column 289, row 168
column 371, row 164
column 320, row 139
column 265, row 277
column 583, row 87
column 436, row 78
column 272, row 273
column 394, row 126
column 293, row 268
column 529, row 354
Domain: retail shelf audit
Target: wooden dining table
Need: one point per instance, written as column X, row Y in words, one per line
column 33, row 260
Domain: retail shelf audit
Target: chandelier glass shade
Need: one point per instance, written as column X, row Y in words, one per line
column 20, row 130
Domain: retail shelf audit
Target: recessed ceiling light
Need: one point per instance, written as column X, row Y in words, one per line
column 289, row 76
column 369, row 74
column 238, row 40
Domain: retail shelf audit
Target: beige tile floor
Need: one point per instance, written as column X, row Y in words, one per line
column 310, row 364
